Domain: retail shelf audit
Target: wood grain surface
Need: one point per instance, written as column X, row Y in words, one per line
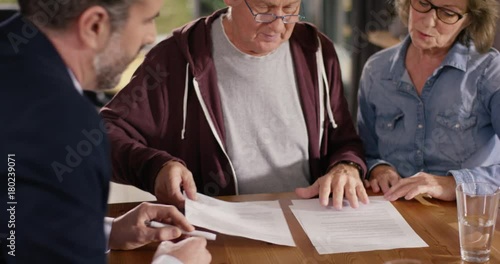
column 433, row 220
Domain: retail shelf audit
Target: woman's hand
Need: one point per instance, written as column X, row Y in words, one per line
column 440, row 187
column 382, row 177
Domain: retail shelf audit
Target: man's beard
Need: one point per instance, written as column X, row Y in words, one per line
column 110, row 64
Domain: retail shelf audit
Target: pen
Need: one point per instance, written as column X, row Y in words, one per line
column 206, row 235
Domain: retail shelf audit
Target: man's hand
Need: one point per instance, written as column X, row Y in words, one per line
column 130, row 231
column 342, row 179
column 169, row 181
column 382, row 177
column 440, row 187
column 189, row 251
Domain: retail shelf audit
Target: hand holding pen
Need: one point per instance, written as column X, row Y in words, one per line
column 131, row 231
column 206, row 235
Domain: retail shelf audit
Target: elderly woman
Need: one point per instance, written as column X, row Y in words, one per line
column 429, row 108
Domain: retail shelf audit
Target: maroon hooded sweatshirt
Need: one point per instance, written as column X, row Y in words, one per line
column 171, row 110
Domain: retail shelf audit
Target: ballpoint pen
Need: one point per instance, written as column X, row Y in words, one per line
column 206, row 235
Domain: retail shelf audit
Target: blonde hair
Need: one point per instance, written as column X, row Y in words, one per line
column 482, row 15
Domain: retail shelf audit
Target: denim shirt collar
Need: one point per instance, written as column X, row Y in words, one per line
column 457, row 57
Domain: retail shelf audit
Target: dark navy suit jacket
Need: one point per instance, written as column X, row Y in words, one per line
column 59, row 167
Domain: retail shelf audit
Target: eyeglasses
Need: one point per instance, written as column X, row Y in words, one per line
column 446, row 15
column 268, row 18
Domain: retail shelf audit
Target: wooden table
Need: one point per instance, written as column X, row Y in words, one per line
column 433, row 220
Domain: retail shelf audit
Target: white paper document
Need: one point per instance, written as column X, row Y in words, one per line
column 263, row 220
column 375, row 226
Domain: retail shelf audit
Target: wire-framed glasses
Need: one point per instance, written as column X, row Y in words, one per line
column 268, row 18
column 444, row 14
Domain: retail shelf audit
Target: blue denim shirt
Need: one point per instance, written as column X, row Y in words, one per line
column 452, row 128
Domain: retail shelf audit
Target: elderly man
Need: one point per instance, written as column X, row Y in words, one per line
column 55, row 151
column 262, row 110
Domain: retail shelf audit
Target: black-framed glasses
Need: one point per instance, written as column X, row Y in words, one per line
column 444, row 14
column 268, row 18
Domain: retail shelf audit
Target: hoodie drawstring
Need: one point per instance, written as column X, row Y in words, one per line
column 325, row 85
column 184, row 104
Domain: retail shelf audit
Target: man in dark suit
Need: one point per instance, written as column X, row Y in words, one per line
column 54, row 146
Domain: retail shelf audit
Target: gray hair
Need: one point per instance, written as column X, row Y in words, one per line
column 58, row 14
column 482, row 14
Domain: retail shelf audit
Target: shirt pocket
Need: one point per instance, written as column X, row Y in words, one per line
column 390, row 129
column 459, row 143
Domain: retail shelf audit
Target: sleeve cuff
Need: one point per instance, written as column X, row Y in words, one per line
column 374, row 163
column 461, row 176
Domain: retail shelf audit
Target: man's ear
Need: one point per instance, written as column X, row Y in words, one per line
column 94, row 27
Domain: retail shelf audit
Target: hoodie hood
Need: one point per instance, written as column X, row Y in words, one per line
column 197, row 45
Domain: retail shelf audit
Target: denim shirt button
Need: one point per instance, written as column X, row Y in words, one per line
column 457, row 125
column 420, row 126
column 389, row 125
